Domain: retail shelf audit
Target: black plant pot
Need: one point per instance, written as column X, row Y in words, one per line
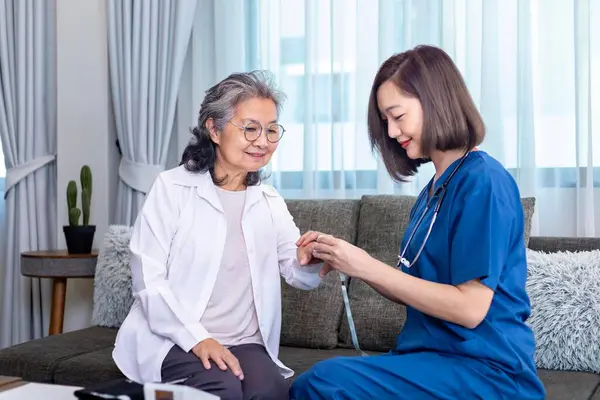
column 79, row 238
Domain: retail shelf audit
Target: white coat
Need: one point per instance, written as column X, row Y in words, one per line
column 176, row 248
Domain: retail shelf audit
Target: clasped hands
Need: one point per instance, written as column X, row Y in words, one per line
column 313, row 248
column 335, row 253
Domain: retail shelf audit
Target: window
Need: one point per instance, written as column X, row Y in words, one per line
column 338, row 46
column 330, row 97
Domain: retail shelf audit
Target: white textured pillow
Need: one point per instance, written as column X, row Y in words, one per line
column 112, row 283
column 564, row 288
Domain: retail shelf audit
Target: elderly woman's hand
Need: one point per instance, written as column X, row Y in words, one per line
column 210, row 350
column 306, row 245
column 342, row 256
column 305, row 248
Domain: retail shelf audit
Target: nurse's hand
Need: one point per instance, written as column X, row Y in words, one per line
column 342, row 256
column 209, row 349
column 307, row 238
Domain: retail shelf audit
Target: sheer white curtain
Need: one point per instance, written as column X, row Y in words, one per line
column 220, row 43
column 533, row 67
column 147, row 43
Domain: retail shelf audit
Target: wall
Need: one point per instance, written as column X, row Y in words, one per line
column 85, row 131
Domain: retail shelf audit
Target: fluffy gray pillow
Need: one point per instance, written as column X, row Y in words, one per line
column 564, row 288
column 112, row 283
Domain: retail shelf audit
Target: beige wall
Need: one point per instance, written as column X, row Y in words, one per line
column 85, row 131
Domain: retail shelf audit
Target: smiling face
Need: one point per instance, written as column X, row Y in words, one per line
column 404, row 117
column 236, row 155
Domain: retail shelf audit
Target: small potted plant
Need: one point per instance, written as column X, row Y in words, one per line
column 79, row 238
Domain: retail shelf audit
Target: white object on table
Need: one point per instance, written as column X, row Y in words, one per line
column 152, row 391
column 37, row 391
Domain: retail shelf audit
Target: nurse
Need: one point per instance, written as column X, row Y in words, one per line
column 462, row 267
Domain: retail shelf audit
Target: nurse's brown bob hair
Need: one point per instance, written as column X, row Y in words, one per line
column 451, row 120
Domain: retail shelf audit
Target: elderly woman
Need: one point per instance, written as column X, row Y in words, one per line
column 207, row 252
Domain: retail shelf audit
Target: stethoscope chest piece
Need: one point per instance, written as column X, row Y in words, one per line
column 403, row 261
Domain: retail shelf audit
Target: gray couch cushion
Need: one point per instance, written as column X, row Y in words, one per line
column 112, row 283
column 562, row 385
column 311, row 318
column 382, row 222
column 37, row 360
column 75, row 371
column 595, row 396
column 300, row 359
column 528, row 204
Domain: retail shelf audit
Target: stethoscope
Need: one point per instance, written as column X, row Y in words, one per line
column 439, row 192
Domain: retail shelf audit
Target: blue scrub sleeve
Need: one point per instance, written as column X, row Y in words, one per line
column 482, row 231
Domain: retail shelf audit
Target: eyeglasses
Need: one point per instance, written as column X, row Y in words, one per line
column 253, row 130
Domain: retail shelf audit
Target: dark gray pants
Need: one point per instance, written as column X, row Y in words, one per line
column 262, row 380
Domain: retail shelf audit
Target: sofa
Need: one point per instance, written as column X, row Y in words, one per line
column 314, row 325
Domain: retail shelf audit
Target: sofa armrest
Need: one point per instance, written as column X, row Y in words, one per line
column 550, row 244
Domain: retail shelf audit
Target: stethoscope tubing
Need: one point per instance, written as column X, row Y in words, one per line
column 401, row 259
column 442, row 193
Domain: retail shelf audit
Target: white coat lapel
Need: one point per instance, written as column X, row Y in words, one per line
column 206, row 190
column 253, row 195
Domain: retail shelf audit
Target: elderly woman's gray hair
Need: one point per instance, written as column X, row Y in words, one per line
column 219, row 103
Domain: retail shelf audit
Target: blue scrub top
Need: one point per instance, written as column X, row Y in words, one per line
column 478, row 234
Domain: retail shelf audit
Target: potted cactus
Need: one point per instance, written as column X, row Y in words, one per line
column 79, row 238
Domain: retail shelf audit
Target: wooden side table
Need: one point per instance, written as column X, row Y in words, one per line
column 58, row 265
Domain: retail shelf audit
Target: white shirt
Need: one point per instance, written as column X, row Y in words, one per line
column 177, row 246
column 230, row 315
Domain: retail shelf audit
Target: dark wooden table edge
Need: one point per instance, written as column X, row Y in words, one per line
column 60, row 276
column 57, row 254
